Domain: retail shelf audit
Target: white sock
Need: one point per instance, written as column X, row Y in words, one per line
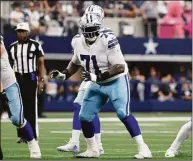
column 139, row 140
column 98, row 138
column 183, row 134
column 75, row 135
column 91, row 142
column 32, row 142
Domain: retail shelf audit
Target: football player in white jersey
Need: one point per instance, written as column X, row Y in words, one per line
column 73, row 144
column 11, row 98
column 183, row 134
column 97, row 50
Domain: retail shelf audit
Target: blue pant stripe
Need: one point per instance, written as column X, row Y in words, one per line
column 129, row 91
column 128, row 84
column 21, row 110
column 128, row 94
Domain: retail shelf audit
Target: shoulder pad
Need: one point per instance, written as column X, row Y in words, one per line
column 74, row 39
column 76, row 36
column 112, row 41
column 106, row 32
column 108, row 37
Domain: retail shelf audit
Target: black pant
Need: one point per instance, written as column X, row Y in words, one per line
column 40, row 104
column 28, row 87
column 151, row 26
column 1, row 153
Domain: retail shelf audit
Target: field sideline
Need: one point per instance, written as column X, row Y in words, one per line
column 159, row 130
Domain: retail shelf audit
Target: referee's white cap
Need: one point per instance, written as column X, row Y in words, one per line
column 23, row 26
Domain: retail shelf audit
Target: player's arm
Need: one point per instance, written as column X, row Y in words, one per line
column 113, row 71
column 118, row 65
column 2, row 50
column 115, row 59
column 40, row 61
column 71, row 69
column 2, row 46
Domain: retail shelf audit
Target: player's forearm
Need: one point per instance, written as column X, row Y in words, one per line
column 71, row 69
column 114, row 70
column 41, row 71
column 2, row 50
column 1, row 87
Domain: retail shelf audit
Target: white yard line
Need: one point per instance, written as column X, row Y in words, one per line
column 115, row 119
column 141, row 124
column 55, row 156
column 165, row 143
column 116, row 132
column 59, row 137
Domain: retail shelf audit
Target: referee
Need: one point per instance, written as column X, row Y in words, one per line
column 27, row 59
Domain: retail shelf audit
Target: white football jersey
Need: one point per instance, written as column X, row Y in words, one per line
column 7, row 73
column 84, row 85
column 101, row 55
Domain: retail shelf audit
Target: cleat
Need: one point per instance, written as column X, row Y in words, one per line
column 92, row 149
column 101, row 150
column 69, row 147
column 170, row 153
column 88, row 154
column 144, row 153
column 34, row 149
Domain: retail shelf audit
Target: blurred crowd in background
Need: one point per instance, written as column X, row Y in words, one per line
column 154, row 85
column 44, row 13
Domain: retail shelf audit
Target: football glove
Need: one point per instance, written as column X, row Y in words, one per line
column 55, row 74
column 87, row 76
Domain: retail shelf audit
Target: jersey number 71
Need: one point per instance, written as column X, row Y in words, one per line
column 94, row 61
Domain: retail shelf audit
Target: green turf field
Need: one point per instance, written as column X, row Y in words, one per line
column 117, row 143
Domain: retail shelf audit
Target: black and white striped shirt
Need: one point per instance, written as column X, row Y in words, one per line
column 23, row 56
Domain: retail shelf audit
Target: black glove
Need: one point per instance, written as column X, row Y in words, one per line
column 87, row 76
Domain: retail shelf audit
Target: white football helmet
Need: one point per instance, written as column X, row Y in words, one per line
column 90, row 24
column 95, row 9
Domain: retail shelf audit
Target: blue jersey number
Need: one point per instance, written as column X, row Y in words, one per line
column 94, row 61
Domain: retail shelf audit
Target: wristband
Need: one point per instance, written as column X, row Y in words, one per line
column 66, row 73
column 41, row 79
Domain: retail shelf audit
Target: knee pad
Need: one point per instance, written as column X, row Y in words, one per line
column 86, row 118
column 16, row 121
